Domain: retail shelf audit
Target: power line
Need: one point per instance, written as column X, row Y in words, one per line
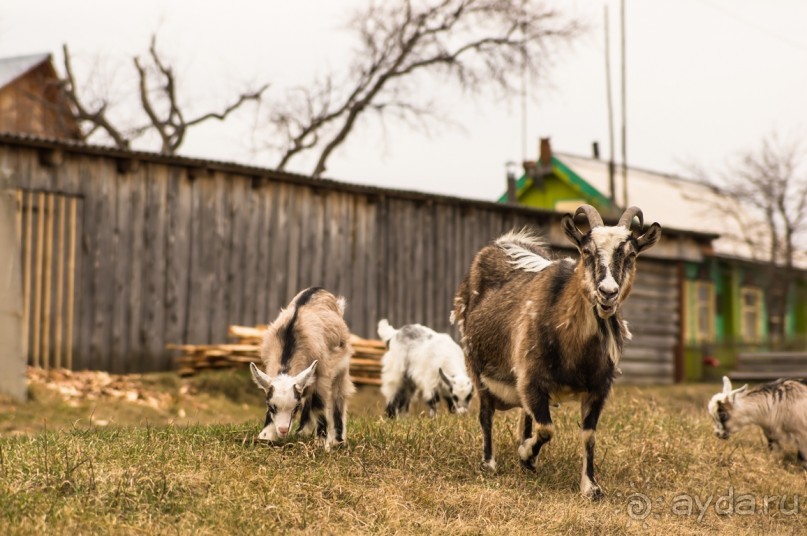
column 756, row 26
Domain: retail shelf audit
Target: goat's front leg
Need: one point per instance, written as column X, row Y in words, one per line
column 526, row 425
column 269, row 431
column 340, row 419
column 486, row 410
column 773, row 442
column 433, row 402
column 306, row 426
column 590, row 409
column 330, row 425
column 452, row 408
column 535, row 402
column 801, row 445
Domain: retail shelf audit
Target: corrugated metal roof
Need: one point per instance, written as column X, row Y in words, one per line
column 13, row 68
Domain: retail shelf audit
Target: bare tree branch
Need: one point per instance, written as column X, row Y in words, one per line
column 772, row 181
column 160, row 104
column 173, row 127
column 477, row 44
column 97, row 119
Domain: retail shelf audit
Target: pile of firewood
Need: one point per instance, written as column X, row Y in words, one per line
column 365, row 364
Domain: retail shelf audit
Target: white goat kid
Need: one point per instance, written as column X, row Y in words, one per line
column 306, row 354
column 778, row 407
column 419, row 359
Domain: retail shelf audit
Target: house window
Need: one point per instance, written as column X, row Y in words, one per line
column 751, row 314
column 701, row 325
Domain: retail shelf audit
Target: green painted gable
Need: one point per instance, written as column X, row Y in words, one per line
column 561, row 185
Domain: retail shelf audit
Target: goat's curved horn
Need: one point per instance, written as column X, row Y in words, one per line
column 627, row 218
column 594, row 219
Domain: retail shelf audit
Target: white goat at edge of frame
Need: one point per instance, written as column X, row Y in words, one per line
column 778, row 407
column 419, row 359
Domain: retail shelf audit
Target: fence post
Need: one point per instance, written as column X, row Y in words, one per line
column 12, row 357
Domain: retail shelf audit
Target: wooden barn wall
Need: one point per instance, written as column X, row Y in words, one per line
column 171, row 254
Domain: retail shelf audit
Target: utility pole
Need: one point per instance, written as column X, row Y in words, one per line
column 611, row 165
column 624, row 116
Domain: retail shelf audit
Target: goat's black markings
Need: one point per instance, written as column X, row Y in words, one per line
column 560, row 278
column 338, row 424
column 400, row 402
column 722, row 414
column 433, row 402
column 287, row 338
column 618, row 262
column 317, row 404
column 268, row 420
column 305, row 416
column 452, row 408
column 306, row 296
column 322, row 426
column 526, row 431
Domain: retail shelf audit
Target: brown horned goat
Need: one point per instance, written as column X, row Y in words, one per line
column 306, row 355
column 538, row 331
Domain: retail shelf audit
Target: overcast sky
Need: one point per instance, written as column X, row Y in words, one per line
column 706, row 79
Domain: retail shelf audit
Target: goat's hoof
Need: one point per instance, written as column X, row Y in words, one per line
column 490, row 465
column 333, row 444
column 528, row 465
column 593, row 493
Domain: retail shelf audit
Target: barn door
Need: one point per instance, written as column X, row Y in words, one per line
column 49, row 227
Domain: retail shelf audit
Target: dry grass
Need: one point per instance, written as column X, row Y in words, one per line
column 416, row 475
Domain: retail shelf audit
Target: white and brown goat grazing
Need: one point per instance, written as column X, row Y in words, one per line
column 418, row 359
column 778, row 407
column 306, row 356
column 537, row 331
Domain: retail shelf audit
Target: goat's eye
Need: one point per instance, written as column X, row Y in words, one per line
column 455, row 398
column 468, row 398
column 272, row 408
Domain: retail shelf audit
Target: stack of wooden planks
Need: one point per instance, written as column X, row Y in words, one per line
column 365, row 363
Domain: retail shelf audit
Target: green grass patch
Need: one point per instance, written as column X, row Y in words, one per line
column 206, row 473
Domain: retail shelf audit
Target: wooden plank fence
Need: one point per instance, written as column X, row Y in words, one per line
column 125, row 253
column 48, row 225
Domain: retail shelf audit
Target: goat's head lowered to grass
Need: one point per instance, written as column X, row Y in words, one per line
column 460, row 389
column 720, row 408
column 284, row 397
column 608, row 255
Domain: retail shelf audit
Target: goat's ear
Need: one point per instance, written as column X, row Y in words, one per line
column 307, row 377
column 444, row 377
column 742, row 389
column 726, row 385
column 571, row 230
column 649, row 239
column 260, row 378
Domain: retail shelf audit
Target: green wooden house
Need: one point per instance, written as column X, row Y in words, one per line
column 722, row 296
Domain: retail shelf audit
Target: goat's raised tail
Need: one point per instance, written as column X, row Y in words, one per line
column 385, row 331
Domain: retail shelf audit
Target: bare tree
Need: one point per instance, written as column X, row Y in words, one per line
column 765, row 191
column 477, row 44
column 164, row 115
